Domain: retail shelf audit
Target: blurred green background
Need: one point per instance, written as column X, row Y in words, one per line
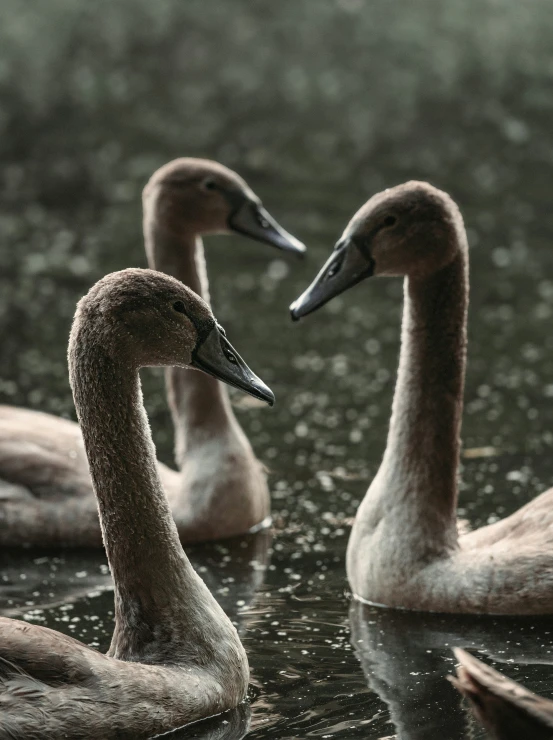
column 317, row 105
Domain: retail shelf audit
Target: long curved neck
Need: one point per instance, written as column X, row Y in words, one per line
column 420, row 465
column 154, row 580
column 199, row 404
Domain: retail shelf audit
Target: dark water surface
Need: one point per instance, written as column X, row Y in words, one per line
column 318, row 106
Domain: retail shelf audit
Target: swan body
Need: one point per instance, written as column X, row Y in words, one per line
column 505, row 708
column 175, row 657
column 220, row 489
column 405, row 549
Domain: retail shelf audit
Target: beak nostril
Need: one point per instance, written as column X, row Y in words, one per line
column 334, row 268
column 231, row 357
column 261, row 220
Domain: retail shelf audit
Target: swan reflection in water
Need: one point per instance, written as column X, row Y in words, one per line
column 31, row 582
column 233, row 725
column 406, row 657
column 507, row 709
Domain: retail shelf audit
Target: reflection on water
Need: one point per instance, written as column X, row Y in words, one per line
column 406, row 656
column 318, row 106
column 36, row 585
column 233, row 725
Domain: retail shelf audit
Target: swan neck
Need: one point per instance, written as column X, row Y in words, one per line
column 199, row 404
column 422, row 454
column 151, row 572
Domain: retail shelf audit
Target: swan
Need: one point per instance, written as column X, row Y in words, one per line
column 174, row 657
column 405, row 550
column 505, row 708
column 220, row 489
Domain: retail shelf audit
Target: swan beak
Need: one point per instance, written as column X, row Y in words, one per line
column 251, row 219
column 347, row 265
column 216, row 356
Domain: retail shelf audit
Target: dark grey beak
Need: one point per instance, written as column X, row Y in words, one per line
column 216, row 356
column 251, row 219
column 347, row 265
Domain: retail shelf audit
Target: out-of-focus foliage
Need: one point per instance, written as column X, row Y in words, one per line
column 256, row 83
column 317, row 104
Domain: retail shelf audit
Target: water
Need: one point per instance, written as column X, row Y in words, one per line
column 318, row 108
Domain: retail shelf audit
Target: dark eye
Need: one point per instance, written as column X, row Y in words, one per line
column 179, row 306
column 209, row 184
column 390, row 221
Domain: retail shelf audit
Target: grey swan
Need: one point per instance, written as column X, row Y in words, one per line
column 175, row 657
column 405, row 550
column 506, row 709
column 220, row 488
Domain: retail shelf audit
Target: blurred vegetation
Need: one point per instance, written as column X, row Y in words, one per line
column 317, row 104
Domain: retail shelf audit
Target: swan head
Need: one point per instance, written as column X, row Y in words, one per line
column 142, row 318
column 412, row 230
column 198, row 196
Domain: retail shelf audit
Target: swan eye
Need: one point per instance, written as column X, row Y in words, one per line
column 390, row 221
column 209, row 184
column 179, row 306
